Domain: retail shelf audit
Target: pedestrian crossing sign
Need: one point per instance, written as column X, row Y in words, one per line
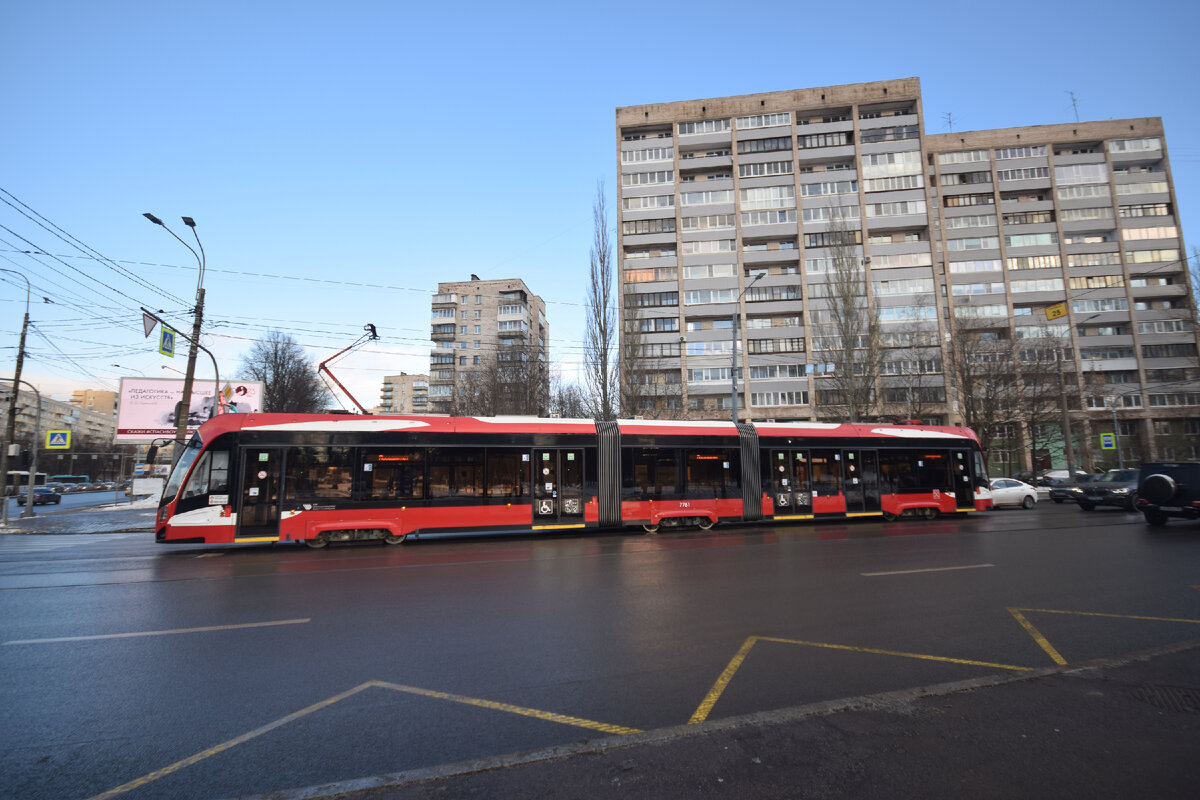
column 166, row 341
column 58, row 440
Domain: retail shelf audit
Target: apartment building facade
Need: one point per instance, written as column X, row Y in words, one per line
column 735, row 213
column 98, row 426
column 404, row 394
column 477, row 325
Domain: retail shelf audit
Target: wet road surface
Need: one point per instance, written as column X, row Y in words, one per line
column 213, row 672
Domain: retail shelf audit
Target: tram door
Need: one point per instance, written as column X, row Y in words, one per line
column 557, row 486
column 262, row 472
column 964, row 487
column 860, row 476
column 790, row 482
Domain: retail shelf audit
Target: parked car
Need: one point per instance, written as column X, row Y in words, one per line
column 1117, row 487
column 1025, row 477
column 1070, row 490
column 41, row 496
column 1012, row 492
column 1169, row 489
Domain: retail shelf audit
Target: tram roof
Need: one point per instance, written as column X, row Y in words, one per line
column 367, row 423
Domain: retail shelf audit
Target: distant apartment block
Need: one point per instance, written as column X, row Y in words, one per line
column 404, row 394
column 96, row 426
column 95, row 400
column 478, row 323
column 987, row 227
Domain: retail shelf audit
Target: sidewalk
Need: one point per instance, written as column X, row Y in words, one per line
column 122, row 518
column 1117, row 728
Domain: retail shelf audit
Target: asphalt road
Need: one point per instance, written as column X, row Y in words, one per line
column 141, row 671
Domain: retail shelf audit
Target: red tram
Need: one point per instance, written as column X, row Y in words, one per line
column 317, row 478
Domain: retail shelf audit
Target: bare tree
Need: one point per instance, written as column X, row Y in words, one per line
column 848, row 339
column 984, row 377
column 290, row 381
column 514, row 380
column 649, row 377
column 910, row 369
column 599, row 354
column 567, row 400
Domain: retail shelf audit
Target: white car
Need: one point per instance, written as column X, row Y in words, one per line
column 1012, row 492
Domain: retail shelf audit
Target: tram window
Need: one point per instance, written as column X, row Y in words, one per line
column 649, row 473
column 896, row 471
column 322, row 473
column 393, row 475
column 933, row 470
column 456, row 472
column 826, row 472
column 507, row 472
column 210, row 475
column 710, row 473
column 981, row 475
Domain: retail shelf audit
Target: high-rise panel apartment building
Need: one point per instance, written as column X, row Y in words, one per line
column 404, row 394
column 735, row 213
column 477, row 324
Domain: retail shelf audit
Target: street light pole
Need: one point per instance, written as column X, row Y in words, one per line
column 733, row 351
column 10, row 423
column 182, row 411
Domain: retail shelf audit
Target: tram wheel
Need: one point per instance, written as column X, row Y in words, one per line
column 650, row 528
column 931, row 513
column 704, row 523
column 317, row 542
column 393, row 539
column 890, row 517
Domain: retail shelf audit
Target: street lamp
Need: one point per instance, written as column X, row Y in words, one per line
column 185, row 404
column 733, row 351
column 134, row 369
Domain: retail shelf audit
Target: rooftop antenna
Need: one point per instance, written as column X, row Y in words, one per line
column 369, row 336
column 948, row 117
column 1074, row 105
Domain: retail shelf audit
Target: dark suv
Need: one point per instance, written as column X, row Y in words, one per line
column 1169, row 489
column 1117, row 487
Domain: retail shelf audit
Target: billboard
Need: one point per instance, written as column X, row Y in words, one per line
column 146, row 406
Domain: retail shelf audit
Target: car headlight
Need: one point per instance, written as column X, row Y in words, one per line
column 1122, row 490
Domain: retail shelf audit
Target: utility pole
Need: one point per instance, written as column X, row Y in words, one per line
column 183, row 409
column 10, row 423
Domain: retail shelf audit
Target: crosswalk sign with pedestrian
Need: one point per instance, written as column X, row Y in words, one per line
column 166, row 341
column 58, row 440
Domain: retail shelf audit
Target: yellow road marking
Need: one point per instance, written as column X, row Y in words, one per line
column 205, row 629
column 718, row 688
column 547, row 716
column 927, row 569
column 920, row 656
column 722, row 682
column 1111, row 616
column 1054, row 654
column 1037, row 636
column 223, row 746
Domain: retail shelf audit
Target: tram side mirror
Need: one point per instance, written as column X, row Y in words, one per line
column 151, row 453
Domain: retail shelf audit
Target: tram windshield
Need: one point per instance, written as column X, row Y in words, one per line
column 181, row 467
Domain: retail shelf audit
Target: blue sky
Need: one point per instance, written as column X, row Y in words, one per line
column 367, row 150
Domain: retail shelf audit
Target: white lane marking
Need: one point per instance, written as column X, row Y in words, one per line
column 931, row 569
column 161, row 633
